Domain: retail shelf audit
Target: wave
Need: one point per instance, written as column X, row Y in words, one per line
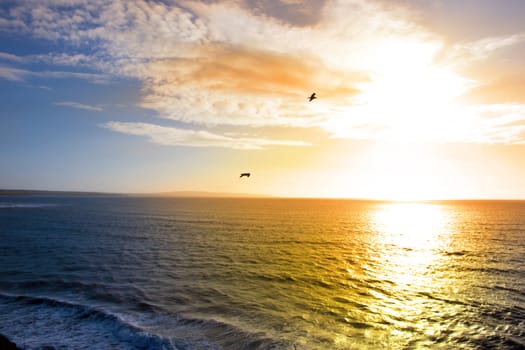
column 228, row 336
column 456, row 253
column 25, row 205
column 57, row 323
column 130, row 296
column 508, row 270
column 63, row 324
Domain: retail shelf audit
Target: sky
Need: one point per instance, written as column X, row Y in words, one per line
column 421, row 99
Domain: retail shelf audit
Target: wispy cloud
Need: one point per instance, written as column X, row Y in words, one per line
column 17, row 74
column 499, row 123
column 13, row 74
column 10, row 57
column 57, row 59
column 93, row 77
column 503, row 123
column 466, row 52
column 501, row 90
column 195, row 138
column 78, row 106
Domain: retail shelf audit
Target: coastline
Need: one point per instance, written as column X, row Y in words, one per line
column 7, row 344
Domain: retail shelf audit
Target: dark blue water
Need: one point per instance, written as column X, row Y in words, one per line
column 161, row 273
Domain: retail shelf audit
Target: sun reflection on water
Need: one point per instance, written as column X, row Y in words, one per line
column 410, row 235
column 411, row 225
column 409, row 241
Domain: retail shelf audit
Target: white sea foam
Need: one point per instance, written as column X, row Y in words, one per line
column 60, row 324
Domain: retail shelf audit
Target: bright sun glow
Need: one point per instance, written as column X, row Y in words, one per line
column 411, row 95
column 408, row 97
column 402, row 172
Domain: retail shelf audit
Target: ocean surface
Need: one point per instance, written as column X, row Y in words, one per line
column 175, row 273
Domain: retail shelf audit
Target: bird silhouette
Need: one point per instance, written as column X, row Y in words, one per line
column 245, row 174
column 312, row 97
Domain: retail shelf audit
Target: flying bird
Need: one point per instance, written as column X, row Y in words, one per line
column 245, row 174
column 312, row 97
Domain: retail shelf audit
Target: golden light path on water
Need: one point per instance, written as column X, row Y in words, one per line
column 417, row 231
column 411, row 239
column 383, row 278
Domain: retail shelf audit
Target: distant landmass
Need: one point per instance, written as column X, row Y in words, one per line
column 203, row 194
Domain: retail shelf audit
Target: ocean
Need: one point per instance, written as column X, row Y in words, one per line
column 265, row 273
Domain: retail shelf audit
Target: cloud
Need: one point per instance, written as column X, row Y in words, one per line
column 17, row 74
column 10, row 57
column 13, row 74
column 294, row 12
column 78, row 106
column 194, row 138
column 467, row 52
column 251, row 64
column 500, row 123
column 93, row 77
column 491, row 123
column 232, row 86
column 132, row 37
column 503, row 90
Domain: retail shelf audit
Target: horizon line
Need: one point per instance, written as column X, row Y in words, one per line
column 213, row 194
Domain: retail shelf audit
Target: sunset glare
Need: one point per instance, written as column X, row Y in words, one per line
column 415, row 100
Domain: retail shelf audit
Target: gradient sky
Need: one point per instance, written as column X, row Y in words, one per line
column 420, row 99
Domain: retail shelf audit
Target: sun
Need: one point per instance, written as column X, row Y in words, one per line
column 409, row 103
column 408, row 96
column 413, row 97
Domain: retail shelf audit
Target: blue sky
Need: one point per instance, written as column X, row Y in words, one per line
column 140, row 96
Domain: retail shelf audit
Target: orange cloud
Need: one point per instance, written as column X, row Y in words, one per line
column 244, row 71
column 509, row 90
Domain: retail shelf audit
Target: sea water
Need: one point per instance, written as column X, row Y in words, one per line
column 267, row 273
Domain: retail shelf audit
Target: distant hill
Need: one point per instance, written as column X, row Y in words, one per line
column 203, row 194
